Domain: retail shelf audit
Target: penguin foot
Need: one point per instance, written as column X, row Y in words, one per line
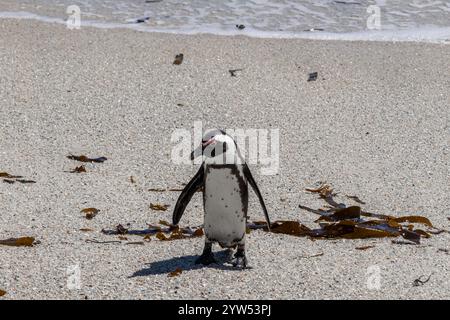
column 240, row 262
column 206, row 259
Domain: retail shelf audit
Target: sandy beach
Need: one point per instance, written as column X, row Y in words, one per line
column 375, row 124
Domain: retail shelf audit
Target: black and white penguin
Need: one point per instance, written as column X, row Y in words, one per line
column 224, row 176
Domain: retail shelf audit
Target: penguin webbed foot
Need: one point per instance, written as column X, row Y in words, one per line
column 240, row 263
column 206, row 259
column 207, row 256
column 240, row 260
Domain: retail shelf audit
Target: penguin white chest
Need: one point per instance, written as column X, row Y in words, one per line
column 225, row 204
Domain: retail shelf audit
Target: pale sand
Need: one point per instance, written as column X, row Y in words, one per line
column 375, row 124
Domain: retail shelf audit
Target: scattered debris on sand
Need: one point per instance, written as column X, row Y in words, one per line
column 312, row 76
column 233, row 72
column 90, row 212
column 10, row 178
column 159, row 206
column 336, row 222
column 419, row 282
column 365, row 247
column 313, row 256
column 178, row 59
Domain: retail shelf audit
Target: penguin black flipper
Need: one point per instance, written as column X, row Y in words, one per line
column 196, row 183
column 252, row 182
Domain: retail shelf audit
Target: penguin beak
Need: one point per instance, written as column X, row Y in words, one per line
column 199, row 150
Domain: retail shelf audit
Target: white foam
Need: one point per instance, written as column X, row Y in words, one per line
column 421, row 34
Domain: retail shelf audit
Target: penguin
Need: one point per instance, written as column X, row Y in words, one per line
column 224, row 177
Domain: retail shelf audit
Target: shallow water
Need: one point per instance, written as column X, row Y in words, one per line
column 420, row 20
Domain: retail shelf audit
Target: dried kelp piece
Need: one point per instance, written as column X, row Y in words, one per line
column 175, row 273
column 414, row 219
column 410, row 235
column 120, row 229
column 165, row 223
column 18, row 242
column 353, row 212
column 198, row 233
column 9, row 176
column 365, row 247
column 313, row 256
column 86, row 230
column 161, row 236
column 356, row 199
column 403, row 242
column 178, row 59
column 136, row 242
column 159, row 206
column 78, row 169
column 324, row 190
column 233, row 72
column 2, row 292
column 312, row 76
column 419, row 282
column 177, row 235
column 83, row 158
column 90, row 212
column 25, row 181
column 101, row 242
column 345, row 229
column 293, row 228
column 132, row 180
column 123, row 238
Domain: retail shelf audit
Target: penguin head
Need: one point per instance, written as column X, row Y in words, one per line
column 215, row 145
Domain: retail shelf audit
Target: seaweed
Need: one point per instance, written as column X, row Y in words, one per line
column 18, row 242
column 83, row 158
column 90, row 213
column 159, row 207
column 178, row 59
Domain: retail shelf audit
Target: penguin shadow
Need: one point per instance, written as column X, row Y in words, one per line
column 186, row 263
